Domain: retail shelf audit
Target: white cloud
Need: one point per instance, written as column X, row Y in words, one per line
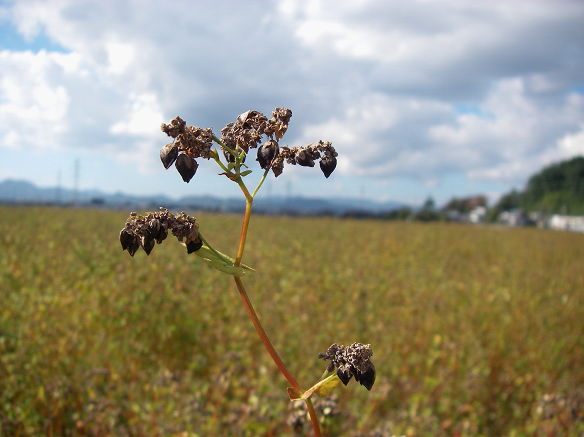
column 517, row 136
column 572, row 144
column 380, row 79
column 120, row 56
column 379, row 135
column 32, row 105
column 143, row 117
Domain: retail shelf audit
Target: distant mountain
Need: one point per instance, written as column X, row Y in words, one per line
column 19, row 192
column 335, row 206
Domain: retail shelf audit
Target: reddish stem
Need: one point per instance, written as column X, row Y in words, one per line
column 254, row 317
column 263, row 336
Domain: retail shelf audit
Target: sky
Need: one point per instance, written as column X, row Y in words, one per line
column 419, row 98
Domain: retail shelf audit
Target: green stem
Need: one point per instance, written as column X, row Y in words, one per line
column 244, row 190
column 260, row 183
column 243, row 234
column 219, row 254
column 215, row 156
column 229, row 149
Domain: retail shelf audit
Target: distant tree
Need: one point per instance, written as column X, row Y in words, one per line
column 429, row 204
column 403, row 213
column 428, row 212
column 428, row 215
column 507, row 202
column 558, row 188
column 465, row 204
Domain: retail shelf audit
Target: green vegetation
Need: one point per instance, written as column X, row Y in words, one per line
column 558, row 188
column 477, row 331
column 507, row 202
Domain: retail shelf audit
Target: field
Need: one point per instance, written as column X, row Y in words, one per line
column 476, row 331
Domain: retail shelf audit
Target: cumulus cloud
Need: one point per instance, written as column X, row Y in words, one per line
column 383, row 80
column 34, row 98
column 516, row 133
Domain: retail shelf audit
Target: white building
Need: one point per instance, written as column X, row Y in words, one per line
column 477, row 215
column 515, row 217
column 566, row 223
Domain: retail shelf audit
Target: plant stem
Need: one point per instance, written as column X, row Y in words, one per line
column 274, row 353
column 215, row 156
column 243, row 234
column 260, row 183
column 263, row 336
column 231, row 151
column 313, row 418
column 248, row 197
column 251, row 311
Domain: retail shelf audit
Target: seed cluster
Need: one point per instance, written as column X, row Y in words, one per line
column 145, row 231
column 190, row 142
column 247, row 130
column 353, row 360
column 305, row 156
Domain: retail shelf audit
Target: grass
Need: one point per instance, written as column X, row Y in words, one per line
column 476, row 331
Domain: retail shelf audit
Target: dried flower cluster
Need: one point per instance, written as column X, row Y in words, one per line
column 145, row 231
column 190, row 142
column 305, row 156
column 353, row 360
column 247, row 130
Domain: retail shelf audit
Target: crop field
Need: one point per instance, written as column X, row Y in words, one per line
column 476, row 331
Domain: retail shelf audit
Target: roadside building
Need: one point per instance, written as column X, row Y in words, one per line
column 566, row 223
column 514, row 217
column 477, row 215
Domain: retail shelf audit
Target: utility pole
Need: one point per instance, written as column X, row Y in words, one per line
column 58, row 192
column 76, row 171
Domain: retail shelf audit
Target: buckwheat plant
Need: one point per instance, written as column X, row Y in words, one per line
column 250, row 130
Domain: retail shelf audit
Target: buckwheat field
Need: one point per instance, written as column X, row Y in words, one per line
column 476, row 331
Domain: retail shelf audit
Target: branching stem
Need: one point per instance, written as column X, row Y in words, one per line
column 239, row 284
column 251, row 311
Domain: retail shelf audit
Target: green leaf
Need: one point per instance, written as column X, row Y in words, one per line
column 231, row 166
column 222, row 262
column 245, row 173
column 322, row 388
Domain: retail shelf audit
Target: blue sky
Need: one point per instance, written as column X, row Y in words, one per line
column 444, row 98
